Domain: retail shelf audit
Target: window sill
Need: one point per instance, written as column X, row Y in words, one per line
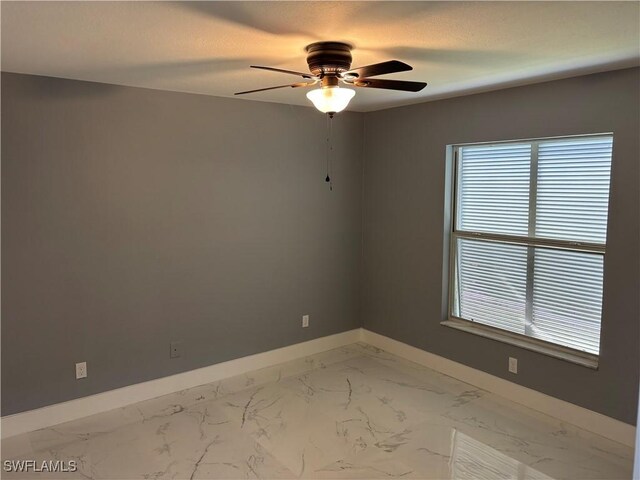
column 563, row 353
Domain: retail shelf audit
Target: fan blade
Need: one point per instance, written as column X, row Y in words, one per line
column 290, row 72
column 293, row 85
column 390, row 84
column 392, row 66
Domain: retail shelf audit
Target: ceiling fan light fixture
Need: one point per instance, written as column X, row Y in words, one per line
column 331, row 99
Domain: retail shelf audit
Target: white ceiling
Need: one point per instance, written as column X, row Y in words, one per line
column 207, row 47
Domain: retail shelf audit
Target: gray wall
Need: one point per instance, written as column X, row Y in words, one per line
column 133, row 217
column 404, row 180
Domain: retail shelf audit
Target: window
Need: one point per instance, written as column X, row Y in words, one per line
column 528, row 240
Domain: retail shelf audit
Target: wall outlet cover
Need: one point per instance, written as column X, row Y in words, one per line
column 81, row 370
column 513, row 365
column 305, row 321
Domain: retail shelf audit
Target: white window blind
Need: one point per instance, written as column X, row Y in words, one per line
column 529, row 237
column 573, row 189
column 494, row 196
column 493, row 283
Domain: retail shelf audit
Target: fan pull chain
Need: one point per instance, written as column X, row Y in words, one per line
column 329, row 150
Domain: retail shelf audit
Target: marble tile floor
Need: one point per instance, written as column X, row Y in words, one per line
column 353, row 412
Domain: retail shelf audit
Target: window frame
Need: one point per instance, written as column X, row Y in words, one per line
column 579, row 357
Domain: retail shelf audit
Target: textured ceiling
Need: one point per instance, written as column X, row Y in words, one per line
column 206, row 47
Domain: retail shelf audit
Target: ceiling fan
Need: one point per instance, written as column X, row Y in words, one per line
column 329, row 65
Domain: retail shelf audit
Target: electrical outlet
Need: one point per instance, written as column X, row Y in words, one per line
column 305, row 321
column 81, row 370
column 175, row 349
column 513, row 365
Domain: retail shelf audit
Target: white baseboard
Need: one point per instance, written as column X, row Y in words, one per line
column 32, row 420
column 581, row 417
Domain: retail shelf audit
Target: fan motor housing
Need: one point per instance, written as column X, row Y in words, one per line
column 329, row 58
